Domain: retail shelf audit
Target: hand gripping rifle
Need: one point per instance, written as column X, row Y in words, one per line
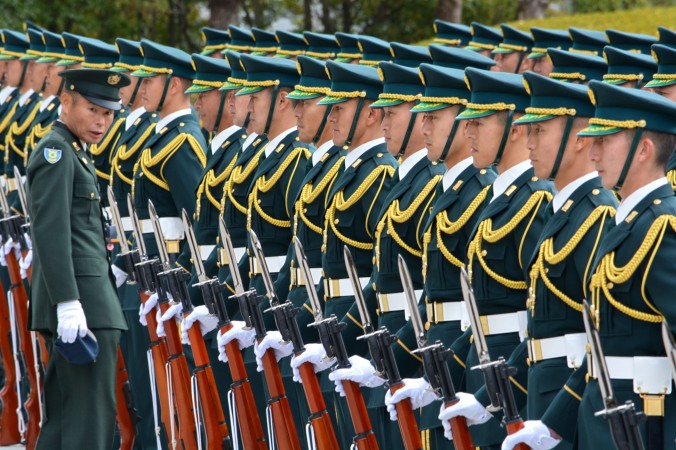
column 143, row 271
column 178, row 365
column 11, row 229
column 434, row 358
column 496, row 373
column 380, row 346
column 285, row 429
column 623, row 419
column 218, row 436
column 329, row 330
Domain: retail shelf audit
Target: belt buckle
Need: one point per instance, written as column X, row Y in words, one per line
column 384, row 303
column 173, row 246
column 484, row 325
column 535, row 347
column 438, row 312
column 430, row 312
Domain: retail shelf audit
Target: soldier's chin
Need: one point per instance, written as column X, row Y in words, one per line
column 93, row 138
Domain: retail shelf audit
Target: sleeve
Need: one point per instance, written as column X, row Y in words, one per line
column 457, row 365
column 566, row 404
column 518, row 382
column 409, row 363
column 50, row 188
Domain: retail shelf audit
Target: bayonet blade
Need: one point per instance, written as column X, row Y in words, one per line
column 309, row 282
column 22, row 192
column 194, row 248
column 3, row 203
column 475, row 319
column 265, row 273
column 136, row 227
column 159, row 236
column 598, row 359
column 669, row 346
column 356, row 286
column 115, row 213
column 232, row 259
column 412, row 302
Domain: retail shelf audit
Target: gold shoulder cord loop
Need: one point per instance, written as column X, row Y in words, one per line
column 238, row 176
column 123, row 153
column 309, row 194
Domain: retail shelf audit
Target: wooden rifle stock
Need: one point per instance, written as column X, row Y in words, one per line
column 364, row 439
column 126, row 422
column 462, row 439
column 9, row 422
column 407, row 423
column 512, row 428
column 320, row 420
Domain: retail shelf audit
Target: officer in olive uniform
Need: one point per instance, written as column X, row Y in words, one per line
column 631, row 277
column 545, row 38
column 73, row 289
column 507, row 230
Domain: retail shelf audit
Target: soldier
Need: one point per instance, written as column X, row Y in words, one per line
column 576, row 67
column 291, row 45
column 589, row 42
column 215, row 41
column 76, row 294
column 545, row 38
column 374, row 50
column 72, row 57
column 484, row 40
column 510, row 55
column 634, row 137
column 506, row 233
column 628, row 69
column 631, row 42
column 451, row 34
column 349, row 48
column 266, row 43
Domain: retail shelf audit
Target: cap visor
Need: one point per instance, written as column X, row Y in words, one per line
column 47, row 59
column 598, row 130
column 230, row 86
column 475, row 113
column 344, row 60
column 197, row 88
column 208, row 52
column 385, row 102
column 118, row 69
column 4, row 57
column 429, row 106
column 614, row 81
column 247, row 90
column 328, row 100
column 108, row 104
column 536, row 55
column 258, row 53
column 502, row 50
column 29, row 58
column 281, row 55
column 660, row 83
column 66, row 62
column 533, row 118
column 142, row 73
column 300, row 95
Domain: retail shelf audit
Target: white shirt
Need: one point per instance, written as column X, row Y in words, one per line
column 504, row 180
column 248, row 141
column 24, row 96
column 133, row 115
column 564, row 194
column 272, row 144
column 454, row 172
column 410, row 162
column 5, row 92
column 164, row 121
column 321, row 151
column 221, row 137
column 354, row 155
column 629, row 203
column 45, row 102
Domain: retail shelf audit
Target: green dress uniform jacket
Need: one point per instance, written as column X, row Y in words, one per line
column 632, row 291
column 7, row 110
column 40, row 126
column 103, row 152
column 671, row 171
column 15, row 138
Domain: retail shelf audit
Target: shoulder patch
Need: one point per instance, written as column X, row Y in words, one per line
column 52, row 155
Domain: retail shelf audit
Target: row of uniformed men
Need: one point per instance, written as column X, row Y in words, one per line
column 264, row 179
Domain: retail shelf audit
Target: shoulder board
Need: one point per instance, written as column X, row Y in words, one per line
column 538, row 184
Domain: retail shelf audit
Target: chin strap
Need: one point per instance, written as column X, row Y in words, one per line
column 355, row 120
column 562, row 147
column 273, row 100
column 246, row 121
column 134, row 93
column 23, row 73
column 505, row 136
column 224, row 94
column 518, row 66
column 164, row 92
column 630, row 158
column 322, row 125
column 60, row 89
column 407, row 136
column 451, row 136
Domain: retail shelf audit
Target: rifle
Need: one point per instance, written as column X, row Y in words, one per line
column 285, row 430
column 623, row 419
column 217, row 433
column 380, row 346
column 496, row 373
column 127, row 415
column 11, row 230
column 250, row 426
column 178, row 365
column 434, row 358
column 26, row 225
column 140, row 269
column 9, row 400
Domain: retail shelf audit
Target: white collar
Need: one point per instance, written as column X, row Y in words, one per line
column 45, row 102
column 321, row 151
column 504, row 180
column 221, row 137
column 248, row 141
column 629, row 203
column 410, row 162
column 24, row 96
column 133, row 115
column 5, row 92
column 353, row 155
column 273, row 143
column 568, row 190
column 166, row 120
column 454, row 172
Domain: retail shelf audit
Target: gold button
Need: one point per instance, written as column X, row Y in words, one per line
column 218, row 239
column 428, row 325
column 373, row 260
column 379, row 155
column 546, row 269
column 91, row 195
column 336, row 221
column 596, row 192
column 140, row 174
column 181, row 124
column 378, row 311
column 534, row 179
column 305, row 210
column 373, row 285
column 259, row 201
column 484, row 252
column 482, row 171
column 610, row 285
column 657, row 201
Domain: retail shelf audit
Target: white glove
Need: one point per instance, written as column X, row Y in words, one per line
column 146, row 308
column 313, row 354
column 245, row 338
column 468, row 407
column 25, row 263
column 120, row 275
column 174, row 312
column 418, row 390
column 361, row 372
column 534, row 434
column 71, row 321
column 7, row 247
column 272, row 340
column 199, row 314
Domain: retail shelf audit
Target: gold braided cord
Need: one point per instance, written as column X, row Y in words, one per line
column 517, row 48
column 617, row 123
column 17, row 128
column 447, row 41
column 126, row 66
column 492, row 106
column 157, row 70
column 405, row 98
column 309, row 195
column 213, row 84
column 330, row 222
column 264, row 49
column 450, row 100
column 11, row 53
column 239, row 175
column 608, row 274
column 102, row 175
column 584, row 52
column 210, row 181
column 97, row 149
column 89, row 65
column 53, row 55
column 547, row 254
column 8, row 117
column 312, row 89
column 148, row 161
column 671, row 176
column 538, row 50
column 664, row 76
column 213, row 47
column 239, row 48
column 346, row 94
column 349, row 55
column 320, row 55
column 264, row 83
column 290, row 52
column 485, row 232
column 236, row 80
column 551, row 111
column 123, row 154
column 34, row 53
column 623, row 76
column 481, row 45
column 568, row 76
column 14, row 130
column 72, row 58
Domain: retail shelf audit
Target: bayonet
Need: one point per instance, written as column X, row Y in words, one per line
column 474, row 318
column 117, row 220
column 232, row 259
column 669, row 346
column 22, row 193
column 4, row 205
column 309, row 282
column 159, row 235
column 194, row 248
column 265, row 273
column 136, row 228
column 412, row 302
column 358, row 294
